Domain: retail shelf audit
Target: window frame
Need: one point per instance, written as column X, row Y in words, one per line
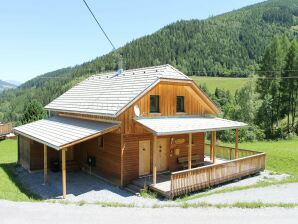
column 183, row 104
column 157, row 104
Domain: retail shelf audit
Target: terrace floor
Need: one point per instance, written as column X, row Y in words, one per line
column 163, row 180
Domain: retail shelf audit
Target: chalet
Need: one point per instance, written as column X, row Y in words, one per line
column 5, row 129
column 146, row 124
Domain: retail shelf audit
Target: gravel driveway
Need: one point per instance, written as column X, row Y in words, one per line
column 32, row 213
column 83, row 187
column 285, row 193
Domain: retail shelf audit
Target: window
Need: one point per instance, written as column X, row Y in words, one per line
column 154, row 104
column 180, row 104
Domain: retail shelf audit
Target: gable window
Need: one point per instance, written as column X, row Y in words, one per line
column 154, row 104
column 180, row 104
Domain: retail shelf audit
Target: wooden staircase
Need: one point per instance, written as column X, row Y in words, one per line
column 138, row 185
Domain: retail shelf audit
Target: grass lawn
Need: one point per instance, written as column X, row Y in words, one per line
column 281, row 156
column 231, row 84
column 10, row 188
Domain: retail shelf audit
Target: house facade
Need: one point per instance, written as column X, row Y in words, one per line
column 127, row 125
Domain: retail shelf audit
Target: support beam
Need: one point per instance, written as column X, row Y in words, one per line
column 236, row 144
column 63, row 158
column 213, row 142
column 122, row 159
column 45, row 164
column 154, row 159
column 189, row 150
column 211, row 147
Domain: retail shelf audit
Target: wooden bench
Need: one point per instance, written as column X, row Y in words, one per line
column 195, row 161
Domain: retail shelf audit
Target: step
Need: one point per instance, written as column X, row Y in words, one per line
column 140, row 183
column 134, row 187
column 132, row 190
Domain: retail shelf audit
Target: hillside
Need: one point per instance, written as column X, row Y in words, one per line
column 5, row 85
column 230, row 44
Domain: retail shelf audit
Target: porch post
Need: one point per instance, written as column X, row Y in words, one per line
column 236, row 143
column 63, row 173
column 213, row 142
column 45, row 164
column 189, row 150
column 211, row 147
column 154, row 159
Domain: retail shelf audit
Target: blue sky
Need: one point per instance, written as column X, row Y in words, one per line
column 41, row 36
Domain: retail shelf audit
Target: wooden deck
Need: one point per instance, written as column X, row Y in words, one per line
column 163, row 181
column 173, row 184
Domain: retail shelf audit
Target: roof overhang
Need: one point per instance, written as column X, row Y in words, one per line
column 61, row 132
column 182, row 125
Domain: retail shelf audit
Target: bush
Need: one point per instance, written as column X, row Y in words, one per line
column 249, row 134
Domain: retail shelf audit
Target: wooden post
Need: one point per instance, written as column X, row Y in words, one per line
column 213, row 142
column 154, row 159
column 45, row 164
column 236, row 144
column 122, row 154
column 63, row 173
column 189, row 150
column 211, row 150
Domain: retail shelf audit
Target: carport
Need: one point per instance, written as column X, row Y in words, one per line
column 60, row 133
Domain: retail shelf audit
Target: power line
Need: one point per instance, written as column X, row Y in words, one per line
column 113, row 46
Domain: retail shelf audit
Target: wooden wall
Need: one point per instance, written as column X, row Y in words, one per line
column 31, row 154
column 194, row 105
column 108, row 157
column 131, row 152
column 24, row 153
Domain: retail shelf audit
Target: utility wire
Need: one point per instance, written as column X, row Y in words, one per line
column 113, row 46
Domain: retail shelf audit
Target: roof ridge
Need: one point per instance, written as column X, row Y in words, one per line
column 137, row 69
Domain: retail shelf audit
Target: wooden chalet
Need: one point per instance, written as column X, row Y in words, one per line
column 141, row 126
column 5, row 129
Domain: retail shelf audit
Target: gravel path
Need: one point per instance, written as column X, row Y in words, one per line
column 32, row 213
column 83, row 187
column 285, row 193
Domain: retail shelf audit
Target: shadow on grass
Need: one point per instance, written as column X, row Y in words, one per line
column 11, row 170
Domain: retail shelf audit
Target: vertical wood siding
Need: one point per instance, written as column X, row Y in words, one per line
column 194, row 105
column 131, row 152
column 108, row 158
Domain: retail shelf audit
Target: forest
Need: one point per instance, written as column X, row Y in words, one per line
column 257, row 41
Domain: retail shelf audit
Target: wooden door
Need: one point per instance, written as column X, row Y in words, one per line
column 144, row 157
column 162, row 154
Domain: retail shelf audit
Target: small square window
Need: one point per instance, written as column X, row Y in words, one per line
column 154, row 104
column 180, row 104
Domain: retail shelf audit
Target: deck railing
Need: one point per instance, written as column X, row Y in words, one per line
column 185, row 181
column 5, row 128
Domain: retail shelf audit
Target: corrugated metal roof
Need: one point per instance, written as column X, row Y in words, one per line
column 107, row 94
column 179, row 125
column 58, row 131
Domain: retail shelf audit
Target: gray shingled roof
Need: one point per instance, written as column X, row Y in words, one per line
column 182, row 125
column 107, row 94
column 58, row 131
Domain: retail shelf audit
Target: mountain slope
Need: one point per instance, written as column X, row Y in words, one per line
column 6, row 85
column 230, row 44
